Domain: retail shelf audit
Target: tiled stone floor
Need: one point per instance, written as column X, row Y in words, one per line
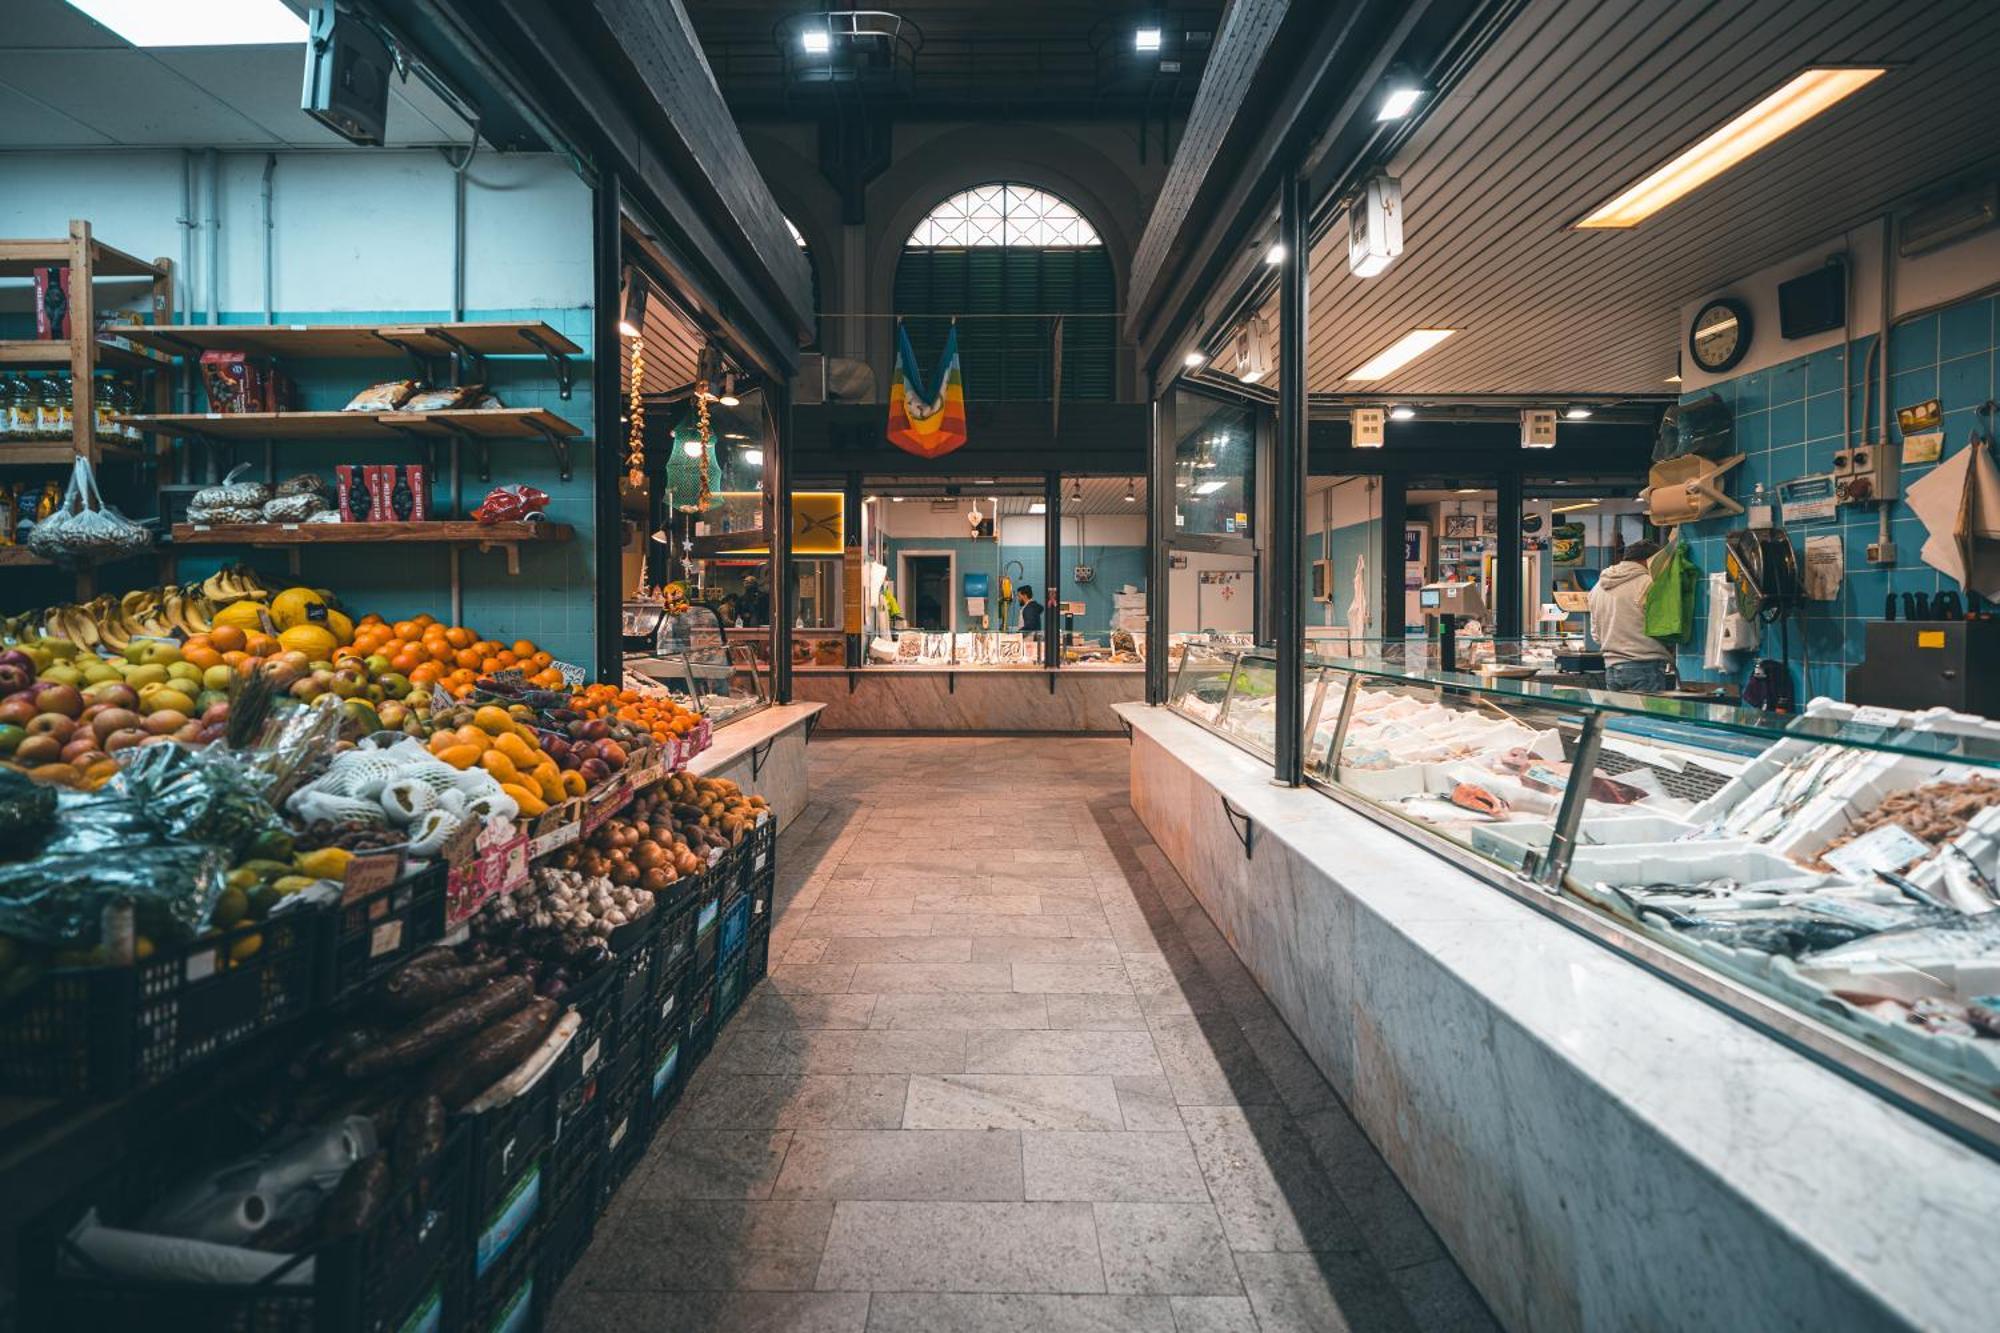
column 1004, row 1075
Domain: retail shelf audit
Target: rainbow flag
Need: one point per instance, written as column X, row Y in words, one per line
column 929, row 427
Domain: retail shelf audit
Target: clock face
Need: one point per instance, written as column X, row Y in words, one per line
column 1720, row 336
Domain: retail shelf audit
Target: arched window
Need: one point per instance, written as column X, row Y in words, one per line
column 1008, row 259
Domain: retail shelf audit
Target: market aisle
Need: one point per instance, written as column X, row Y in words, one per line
column 1004, row 1075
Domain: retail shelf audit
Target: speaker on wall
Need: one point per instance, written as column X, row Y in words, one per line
column 1814, row 302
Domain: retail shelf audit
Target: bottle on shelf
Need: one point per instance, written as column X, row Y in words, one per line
column 52, row 408
column 17, row 408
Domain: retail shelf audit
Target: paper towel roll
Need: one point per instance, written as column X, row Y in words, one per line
column 135, row 1254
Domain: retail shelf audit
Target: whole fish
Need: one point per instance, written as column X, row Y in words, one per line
column 1937, row 939
column 1785, row 932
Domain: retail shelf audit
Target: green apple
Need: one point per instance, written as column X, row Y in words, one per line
column 394, row 684
column 218, row 677
column 208, row 699
column 376, row 664
column 11, row 737
column 349, row 682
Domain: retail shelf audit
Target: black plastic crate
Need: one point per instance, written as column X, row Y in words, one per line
column 667, row 1065
column 638, row 958
column 102, row 1031
column 372, row 934
column 759, row 952
column 675, row 946
column 708, row 921
column 504, row 1267
column 734, row 930
column 628, row 1128
column 571, row 1225
column 759, row 868
column 507, row 1142
column 576, row 1153
column 731, row 981
column 574, row 1076
column 700, row 1002
column 389, row 1277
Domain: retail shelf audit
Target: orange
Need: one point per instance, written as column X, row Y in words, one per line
column 406, row 661
column 540, row 659
column 458, row 636
column 423, row 673
column 235, row 657
column 487, row 647
column 407, row 629
column 524, row 648
column 201, row 654
column 228, row 638
column 259, row 644
column 467, row 657
column 426, row 619
column 506, row 659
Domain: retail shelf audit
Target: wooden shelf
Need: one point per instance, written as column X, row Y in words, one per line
column 55, row 355
column 19, row 259
column 508, row 537
column 350, row 341
column 476, row 423
column 61, row 453
column 20, row 555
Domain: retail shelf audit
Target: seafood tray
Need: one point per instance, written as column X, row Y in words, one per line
column 1510, row 843
column 1425, row 791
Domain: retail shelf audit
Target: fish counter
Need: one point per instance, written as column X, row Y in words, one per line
column 1562, row 949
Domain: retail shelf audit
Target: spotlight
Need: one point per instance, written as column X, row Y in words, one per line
column 1131, row 491
column 1577, row 414
column 1193, row 360
column 691, row 447
column 754, row 457
column 816, row 41
column 1402, row 93
column 729, row 398
column 634, row 323
column 1402, row 414
column 1146, row 39
column 1276, row 254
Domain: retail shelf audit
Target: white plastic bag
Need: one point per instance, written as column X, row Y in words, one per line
column 83, row 528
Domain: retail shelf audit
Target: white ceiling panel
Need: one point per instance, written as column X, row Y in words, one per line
column 127, row 96
column 1578, row 99
column 28, row 120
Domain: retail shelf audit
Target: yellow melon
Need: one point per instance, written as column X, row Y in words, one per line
column 315, row 641
column 250, row 617
column 297, row 606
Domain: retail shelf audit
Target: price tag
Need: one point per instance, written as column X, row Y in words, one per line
column 463, row 844
column 572, row 674
column 618, row 1131
column 595, row 1049
column 370, row 873
column 201, row 966
column 550, row 841
column 612, row 799
column 385, row 938
column 1890, row 847
column 465, row 893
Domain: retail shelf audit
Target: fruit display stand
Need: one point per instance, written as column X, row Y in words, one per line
column 351, row 953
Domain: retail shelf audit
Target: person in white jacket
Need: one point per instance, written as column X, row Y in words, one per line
column 1633, row 659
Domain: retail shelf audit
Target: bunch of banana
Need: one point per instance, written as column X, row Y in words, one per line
column 113, row 622
column 234, row 583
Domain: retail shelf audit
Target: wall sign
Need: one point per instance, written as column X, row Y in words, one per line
column 1803, row 499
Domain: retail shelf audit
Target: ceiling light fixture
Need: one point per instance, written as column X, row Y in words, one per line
column 1209, row 487
column 1577, row 413
column 1466, row 490
column 729, row 398
column 1674, row 378
column 1251, row 376
column 1806, row 95
column 1146, row 39
column 1571, row 509
column 1276, row 254
column 1400, row 97
column 816, row 41
column 691, row 446
column 1402, row 414
column 633, row 325
column 1194, row 360
column 1038, row 507
column 754, row 457
column 1399, row 354
column 156, row 23
column 895, row 499
column 1131, row 491
column 1076, row 490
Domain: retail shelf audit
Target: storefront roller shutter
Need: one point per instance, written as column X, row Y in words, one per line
column 1009, row 358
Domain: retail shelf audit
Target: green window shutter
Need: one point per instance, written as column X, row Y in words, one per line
column 1009, row 358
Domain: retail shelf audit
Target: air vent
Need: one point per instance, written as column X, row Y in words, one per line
column 1948, row 220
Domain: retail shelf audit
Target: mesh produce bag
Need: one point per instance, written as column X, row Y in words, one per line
column 83, row 528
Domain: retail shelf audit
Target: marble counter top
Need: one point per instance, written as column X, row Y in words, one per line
column 1598, row 1147
column 737, row 739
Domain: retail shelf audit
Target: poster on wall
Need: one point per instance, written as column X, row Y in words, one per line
column 1489, row 525
column 1566, row 544
column 1461, row 525
column 1416, row 543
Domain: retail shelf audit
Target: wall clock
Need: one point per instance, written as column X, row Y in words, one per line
column 1720, row 335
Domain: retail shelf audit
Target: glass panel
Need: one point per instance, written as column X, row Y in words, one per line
column 1004, row 213
column 816, row 593
column 1201, row 684
column 669, row 671
column 1251, row 715
column 1326, row 691
column 1214, row 466
column 723, row 687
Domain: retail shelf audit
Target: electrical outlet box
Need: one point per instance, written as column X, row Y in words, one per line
column 1866, row 473
column 1881, row 553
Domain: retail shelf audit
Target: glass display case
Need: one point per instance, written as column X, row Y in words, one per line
column 1833, row 875
column 692, row 626
column 720, row 683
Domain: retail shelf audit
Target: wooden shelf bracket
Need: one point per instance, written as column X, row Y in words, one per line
column 558, row 444
column 558, row 361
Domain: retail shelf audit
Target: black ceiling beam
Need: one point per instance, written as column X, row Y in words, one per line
column 1289, row 88
column 628, row 86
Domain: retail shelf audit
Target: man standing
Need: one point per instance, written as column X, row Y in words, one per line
column 1633, row 660
column 1031, row 610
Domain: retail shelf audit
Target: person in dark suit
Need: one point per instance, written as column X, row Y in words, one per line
column 1031, row 610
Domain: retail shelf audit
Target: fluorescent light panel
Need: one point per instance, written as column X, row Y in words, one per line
column 1251, row 376
column 1193, row 360
column 1577, row 414
column 1399, row 102
column 1402, row 414
column 1209, row 487
column 1276, row 254
column 1146, row 39
column 157, row 23
column 1571, row 509
column 817, row 41
column 1399, row 354
column 1805, row 96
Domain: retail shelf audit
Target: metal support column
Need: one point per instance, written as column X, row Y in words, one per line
column 1051, row 568
column 850, row 541
column 1288, row 487
column 1159, row 531
column 778, row 524
column 1507, row 559
column 608, row 458
column 1389, row 582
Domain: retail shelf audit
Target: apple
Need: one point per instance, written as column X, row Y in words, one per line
column 16, row 658
column 153, row 652
column 216, row 714
column 82, row 743
column 393, row 713
column 125, row 740
column 17, row 711
column 188, row 734
column 208, row 699
column 346, row 682
column 307, row 690
column 113, row 719
column 594, row 771
column 218, row 678
column 165, row 721
column 85, row 758
column 612, row 753
column 14, row 677
column 39, row 749
column 155, row 697
column 118, row 695
column 62, row 699
column 211, row 731
column 11, row 736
